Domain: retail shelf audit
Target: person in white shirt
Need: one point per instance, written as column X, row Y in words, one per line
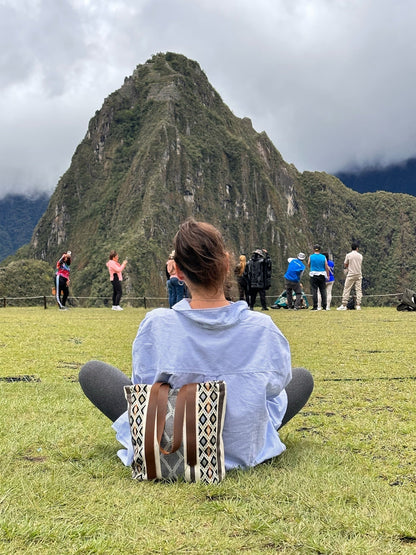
column 352, row 264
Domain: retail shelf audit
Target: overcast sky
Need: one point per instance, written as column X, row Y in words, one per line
column 332, row 82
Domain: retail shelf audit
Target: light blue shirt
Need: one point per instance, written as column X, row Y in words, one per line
column 242, row 347
column 317, row 264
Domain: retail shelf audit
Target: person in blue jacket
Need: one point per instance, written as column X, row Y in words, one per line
column 292, row 277
column 204, row 338
column 328, row 284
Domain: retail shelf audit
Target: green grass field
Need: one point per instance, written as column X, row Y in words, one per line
column 345, row 485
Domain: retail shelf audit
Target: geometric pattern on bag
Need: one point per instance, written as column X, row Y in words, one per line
column 177, row 433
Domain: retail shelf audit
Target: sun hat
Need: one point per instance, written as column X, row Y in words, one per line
column 301, row 256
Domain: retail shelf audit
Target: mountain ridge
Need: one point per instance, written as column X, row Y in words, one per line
column 395, row 178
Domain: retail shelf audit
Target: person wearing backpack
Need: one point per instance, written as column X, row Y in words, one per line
column 258, row 276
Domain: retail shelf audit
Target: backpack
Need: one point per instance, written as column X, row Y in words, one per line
column 256, row 272
column 351, row 303
column 408, row 301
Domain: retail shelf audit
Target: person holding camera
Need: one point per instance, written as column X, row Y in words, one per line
column 116, row 277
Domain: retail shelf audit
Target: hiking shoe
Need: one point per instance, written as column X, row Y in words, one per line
column 358, row 307
column 342, row 307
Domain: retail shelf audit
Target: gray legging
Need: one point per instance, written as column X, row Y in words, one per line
column 103, row 385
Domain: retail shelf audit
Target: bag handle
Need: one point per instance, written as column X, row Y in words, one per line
column 185, row 406
column 156, row 414
column 191, row 432
column 177, row 420
column 150, row 429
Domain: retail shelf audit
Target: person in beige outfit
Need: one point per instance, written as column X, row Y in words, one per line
column 352, row 264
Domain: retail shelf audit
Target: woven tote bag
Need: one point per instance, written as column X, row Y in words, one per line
column 177, row 433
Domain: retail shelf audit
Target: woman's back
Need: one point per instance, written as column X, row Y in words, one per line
column 231, row 343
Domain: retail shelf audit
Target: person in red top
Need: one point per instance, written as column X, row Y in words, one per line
column 62, row 279
column 116, row 277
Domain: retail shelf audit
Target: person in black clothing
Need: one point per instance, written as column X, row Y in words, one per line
column 258, row 276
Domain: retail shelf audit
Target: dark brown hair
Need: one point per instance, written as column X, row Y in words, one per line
column 201, row 254
column 113, row 254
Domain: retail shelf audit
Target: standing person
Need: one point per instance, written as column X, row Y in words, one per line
column 318, row 272
column 168, row 284
column 176, row 287
column 209, row 338
column 292, row 277
column 239, row 272
column 63, row 269
column 116, row 277
column 258, row 275
column 352, row 264
column 328, row 284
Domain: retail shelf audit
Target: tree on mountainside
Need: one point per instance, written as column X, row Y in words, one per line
column 26, row 278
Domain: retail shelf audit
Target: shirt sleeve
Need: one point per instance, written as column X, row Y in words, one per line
column 123, row 435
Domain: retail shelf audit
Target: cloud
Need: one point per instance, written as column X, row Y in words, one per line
column 330, row 81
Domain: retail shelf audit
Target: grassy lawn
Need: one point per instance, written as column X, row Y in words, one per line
column 345, row 485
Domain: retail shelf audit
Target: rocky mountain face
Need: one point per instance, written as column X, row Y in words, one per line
column 164, row 147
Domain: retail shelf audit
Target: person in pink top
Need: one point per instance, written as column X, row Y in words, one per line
column 116, row 277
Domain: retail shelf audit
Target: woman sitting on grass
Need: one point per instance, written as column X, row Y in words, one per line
column 210, row 338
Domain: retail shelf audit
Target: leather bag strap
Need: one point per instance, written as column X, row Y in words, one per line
column 191, row 432
column 177, row 421
column 149, row 433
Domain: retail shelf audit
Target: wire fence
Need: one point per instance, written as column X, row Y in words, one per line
column 83, row 302
column 389, row 299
